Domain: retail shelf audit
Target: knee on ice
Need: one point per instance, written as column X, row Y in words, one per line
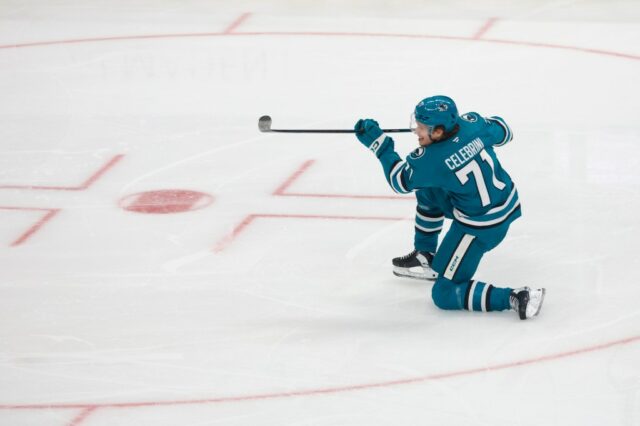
column 444, row 294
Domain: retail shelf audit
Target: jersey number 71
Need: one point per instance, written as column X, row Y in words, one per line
column 474, row 168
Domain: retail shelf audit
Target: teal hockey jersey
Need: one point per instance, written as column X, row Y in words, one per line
column 465, row 167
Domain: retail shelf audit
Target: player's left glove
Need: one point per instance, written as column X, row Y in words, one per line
column 370, row 135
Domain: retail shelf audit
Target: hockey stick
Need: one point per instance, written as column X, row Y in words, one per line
column 264, row 124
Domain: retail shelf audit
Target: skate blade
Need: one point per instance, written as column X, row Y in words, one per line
column 416, row 275
column 544, row 292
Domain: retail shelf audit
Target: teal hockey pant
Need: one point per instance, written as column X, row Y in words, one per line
column 458, row 256
column 457, row 260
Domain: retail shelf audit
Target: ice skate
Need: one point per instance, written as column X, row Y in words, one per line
column 416, row 265
column 527, row 302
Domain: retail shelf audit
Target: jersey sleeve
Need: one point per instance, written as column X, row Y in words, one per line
column 499, row 131
column 408, row 175
column 397, row 171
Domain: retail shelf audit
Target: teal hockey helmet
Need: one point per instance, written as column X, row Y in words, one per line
column 437, row 111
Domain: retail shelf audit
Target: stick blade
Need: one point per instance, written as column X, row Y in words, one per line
column 264, row 123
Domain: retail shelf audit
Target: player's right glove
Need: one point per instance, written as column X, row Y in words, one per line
column 369, row 134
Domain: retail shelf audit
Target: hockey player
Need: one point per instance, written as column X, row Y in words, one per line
column 456, row 175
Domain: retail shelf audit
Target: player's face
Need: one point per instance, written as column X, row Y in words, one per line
column 424, row 134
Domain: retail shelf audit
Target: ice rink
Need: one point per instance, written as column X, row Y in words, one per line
column 165, row 263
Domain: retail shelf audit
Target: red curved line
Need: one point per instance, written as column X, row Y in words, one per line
column 325, row 34
column 330, row 390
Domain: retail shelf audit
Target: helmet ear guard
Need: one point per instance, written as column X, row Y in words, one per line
column 437, row 111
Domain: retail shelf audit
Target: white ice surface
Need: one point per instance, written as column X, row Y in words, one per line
column 298, row 320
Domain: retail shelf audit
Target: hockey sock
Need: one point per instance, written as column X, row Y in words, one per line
column 484, row 297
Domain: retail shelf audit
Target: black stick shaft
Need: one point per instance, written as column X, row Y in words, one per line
column 331, row 130
column 264, row 124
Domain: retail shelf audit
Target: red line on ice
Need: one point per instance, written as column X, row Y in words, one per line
column 110, row 38
column 97, row 175
column 478, row 37
column 351, row 196
column 295, row 176
column 486, row 27
column 281, row 191
column 332, row 390
column 235, row 24
column 83, row 415
column 36, row 227
column 227, row 240
column 441, row 37
column 50, row 213
column 85, row 185
column 322, row 34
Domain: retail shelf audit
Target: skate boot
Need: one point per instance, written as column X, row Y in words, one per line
column 416, row 264
column 527, row 302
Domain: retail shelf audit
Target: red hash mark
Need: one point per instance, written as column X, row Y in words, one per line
column 50, row 213
column 83, row 415
column 283, row 191
column 84, row 185
column 227, row 240
column 235, row 24
column 485, row 28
